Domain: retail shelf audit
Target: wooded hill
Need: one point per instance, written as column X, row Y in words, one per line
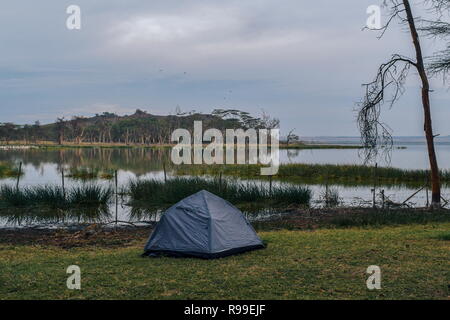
column 138, row 128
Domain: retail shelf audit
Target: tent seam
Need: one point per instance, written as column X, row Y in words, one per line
column 209, row 224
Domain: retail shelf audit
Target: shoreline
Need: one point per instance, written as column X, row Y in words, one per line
column 54, row 145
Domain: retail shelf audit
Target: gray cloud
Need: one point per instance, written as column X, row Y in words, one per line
column 301, row 62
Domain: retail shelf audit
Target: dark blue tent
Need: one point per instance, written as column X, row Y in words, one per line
column 205, row 226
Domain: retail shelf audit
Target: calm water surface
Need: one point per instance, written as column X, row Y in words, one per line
column 44, row 166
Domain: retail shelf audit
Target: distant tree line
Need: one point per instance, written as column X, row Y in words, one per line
column 138, row 128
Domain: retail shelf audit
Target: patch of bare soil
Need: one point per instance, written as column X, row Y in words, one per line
column 304, row 219
column 92, row 235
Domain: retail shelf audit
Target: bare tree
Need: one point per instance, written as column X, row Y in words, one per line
column 60, row 129
column 388, row 87
column 292, row 137
column 36, row 130
column 78, row 129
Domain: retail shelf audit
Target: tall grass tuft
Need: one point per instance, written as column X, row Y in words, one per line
column 48, row 196
column 89, row 195
column 162, row 194
column 11, row 197
column 321, row 173
column 53, row 197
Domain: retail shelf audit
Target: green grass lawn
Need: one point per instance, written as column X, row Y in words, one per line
column 321, row 264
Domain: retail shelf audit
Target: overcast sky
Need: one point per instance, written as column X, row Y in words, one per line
column 300, row 61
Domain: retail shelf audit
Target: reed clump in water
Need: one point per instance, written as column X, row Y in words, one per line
column 8, row 171
column 330, row 198
column 321, row 173
column 162, row 194
column 54, row 197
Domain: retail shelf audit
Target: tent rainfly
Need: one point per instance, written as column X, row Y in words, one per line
column 204, row 226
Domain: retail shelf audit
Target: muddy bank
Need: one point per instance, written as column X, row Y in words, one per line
column 91, row 235
column 98, row 235
column 310, row 219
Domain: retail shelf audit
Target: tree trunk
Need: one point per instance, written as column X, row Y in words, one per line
column 428, row 128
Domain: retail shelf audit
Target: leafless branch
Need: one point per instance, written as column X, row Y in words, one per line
column 387, row 87
column 440, row 62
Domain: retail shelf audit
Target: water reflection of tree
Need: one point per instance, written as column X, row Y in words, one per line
column 140, row 161
column 292, row 154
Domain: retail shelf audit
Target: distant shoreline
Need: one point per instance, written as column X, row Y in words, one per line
column 51, row 144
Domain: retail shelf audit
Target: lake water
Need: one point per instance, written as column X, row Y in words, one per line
column 43, row 166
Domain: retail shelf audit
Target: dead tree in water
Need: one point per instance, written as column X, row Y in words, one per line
column 60, row 129
column 388, row 87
